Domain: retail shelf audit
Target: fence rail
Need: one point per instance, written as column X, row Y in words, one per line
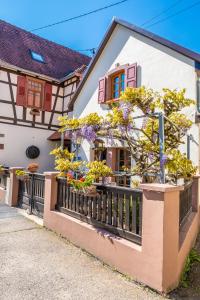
column 116, row 209
column 185, row 204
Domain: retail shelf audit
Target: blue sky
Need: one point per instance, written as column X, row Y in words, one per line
column 87, row 32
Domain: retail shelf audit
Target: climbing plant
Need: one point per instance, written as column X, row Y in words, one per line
column 141, row 136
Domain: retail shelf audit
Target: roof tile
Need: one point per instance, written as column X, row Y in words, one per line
column 15, row 46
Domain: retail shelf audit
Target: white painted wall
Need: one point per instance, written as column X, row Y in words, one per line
column 67, row 92
column 158, row 67
column 16, row 141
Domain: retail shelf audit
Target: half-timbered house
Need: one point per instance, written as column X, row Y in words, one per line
column 37, row 80
column 132, row 56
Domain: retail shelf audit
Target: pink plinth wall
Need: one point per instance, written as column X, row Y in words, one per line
column 2, row 194
column 12, row 197
column 158, row 262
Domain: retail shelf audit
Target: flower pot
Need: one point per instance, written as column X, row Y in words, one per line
column 102, row 180
column 91, row 191
column 32, row 168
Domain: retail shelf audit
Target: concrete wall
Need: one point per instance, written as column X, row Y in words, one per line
column 158, row 67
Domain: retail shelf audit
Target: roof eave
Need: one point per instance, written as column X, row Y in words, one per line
column 34, row 74
column 167, row 43
column 93, row 62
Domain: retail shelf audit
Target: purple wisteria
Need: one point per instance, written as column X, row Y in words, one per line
column 110, row 139
column 122, row 129
column 88, row 133
column 125, row 107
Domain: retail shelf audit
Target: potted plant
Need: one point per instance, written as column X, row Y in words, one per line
column 83, row 185
column 21, row 175
column 33, row 167
column 99, row 170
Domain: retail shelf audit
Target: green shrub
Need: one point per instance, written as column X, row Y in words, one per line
column 193, row 257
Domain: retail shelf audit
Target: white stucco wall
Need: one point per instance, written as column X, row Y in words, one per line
column 68, row 90
column 16, row 141
column 158, row 67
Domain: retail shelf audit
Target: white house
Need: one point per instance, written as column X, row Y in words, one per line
column 132, row 56
column 37, row 81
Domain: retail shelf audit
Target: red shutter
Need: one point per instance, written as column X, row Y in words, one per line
column 47, row 96
column 102, row 90
column 131, row 75
column 21, row 91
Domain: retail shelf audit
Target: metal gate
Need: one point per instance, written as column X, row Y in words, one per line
column 31, row 194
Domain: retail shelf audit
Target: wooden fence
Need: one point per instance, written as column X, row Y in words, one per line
column 116, row 209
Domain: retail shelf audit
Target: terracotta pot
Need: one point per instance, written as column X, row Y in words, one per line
column 33, row 169
column 91, row 189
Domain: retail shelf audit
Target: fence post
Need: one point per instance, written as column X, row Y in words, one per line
column 50, row 194
column 160, row 233
column 161, row 146
column 14, row 187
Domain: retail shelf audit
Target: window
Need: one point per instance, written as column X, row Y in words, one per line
column 100, row 151
column 37, row 56
column 117, row 82
column 123, row 162
column 34, row 94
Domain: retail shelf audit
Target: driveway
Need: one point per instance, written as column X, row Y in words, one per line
column 37, row 264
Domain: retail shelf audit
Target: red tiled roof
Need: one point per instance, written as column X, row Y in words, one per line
column 15, row 46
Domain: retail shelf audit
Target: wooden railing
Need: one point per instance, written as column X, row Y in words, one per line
column 116, row 209
column 185, row 203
